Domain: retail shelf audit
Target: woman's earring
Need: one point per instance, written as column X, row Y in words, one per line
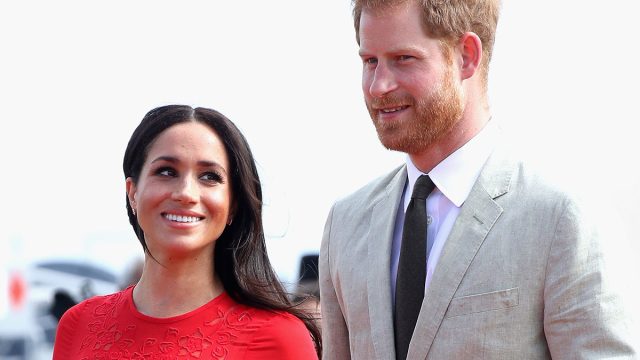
column 229, row 222
column 134, row 211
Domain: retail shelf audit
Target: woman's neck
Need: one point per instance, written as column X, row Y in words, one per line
column 175, row 287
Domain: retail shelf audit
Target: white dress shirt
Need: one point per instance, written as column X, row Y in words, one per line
column 454, row 177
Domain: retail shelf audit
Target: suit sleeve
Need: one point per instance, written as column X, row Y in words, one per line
column 585, row 314
column 335, row 335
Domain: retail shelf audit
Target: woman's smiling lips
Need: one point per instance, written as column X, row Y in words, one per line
column 182, row 217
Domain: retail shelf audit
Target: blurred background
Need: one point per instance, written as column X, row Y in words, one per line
column 76, row 77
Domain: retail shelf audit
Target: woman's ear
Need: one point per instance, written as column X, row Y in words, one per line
column 131, row 193
column 232, row 213
column 470, row 48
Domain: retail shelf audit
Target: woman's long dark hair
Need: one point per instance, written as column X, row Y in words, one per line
column 240, row 257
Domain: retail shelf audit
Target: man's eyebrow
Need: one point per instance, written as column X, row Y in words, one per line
column 392, row 51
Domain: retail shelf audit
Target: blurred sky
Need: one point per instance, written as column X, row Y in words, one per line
column 76, row 77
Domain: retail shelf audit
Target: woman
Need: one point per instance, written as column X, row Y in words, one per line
column 207, row 289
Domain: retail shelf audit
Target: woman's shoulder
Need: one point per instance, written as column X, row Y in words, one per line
column 281, row 335
column 79, row 319
column 257, row 318
column 278, row 318
column 96, row 305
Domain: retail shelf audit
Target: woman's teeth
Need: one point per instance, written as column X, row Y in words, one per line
column 182, row 219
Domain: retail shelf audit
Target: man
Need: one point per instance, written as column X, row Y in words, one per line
column 509, row 265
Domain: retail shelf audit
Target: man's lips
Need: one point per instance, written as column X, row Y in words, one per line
column 391, row 110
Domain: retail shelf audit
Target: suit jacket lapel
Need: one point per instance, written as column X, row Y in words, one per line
column 477, row 216
column 379, row 239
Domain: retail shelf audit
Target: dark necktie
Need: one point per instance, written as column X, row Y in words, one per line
column 412, row 266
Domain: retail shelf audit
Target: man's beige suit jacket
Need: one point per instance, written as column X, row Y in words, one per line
column 524, row 274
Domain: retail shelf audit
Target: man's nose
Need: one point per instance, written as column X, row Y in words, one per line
column 383, row 81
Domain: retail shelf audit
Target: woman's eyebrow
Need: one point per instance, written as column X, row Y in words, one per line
column 201, row 163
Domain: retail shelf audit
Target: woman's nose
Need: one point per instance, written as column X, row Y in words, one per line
column 186, row 190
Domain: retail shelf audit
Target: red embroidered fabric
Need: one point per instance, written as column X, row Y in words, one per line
column 109, row 327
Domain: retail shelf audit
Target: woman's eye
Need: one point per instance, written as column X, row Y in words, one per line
column 165, row 171
column 211, row 177
column 404, row 57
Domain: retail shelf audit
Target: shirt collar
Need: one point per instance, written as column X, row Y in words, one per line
column 455, row 175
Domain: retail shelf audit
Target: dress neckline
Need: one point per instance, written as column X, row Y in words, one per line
column 221, row 299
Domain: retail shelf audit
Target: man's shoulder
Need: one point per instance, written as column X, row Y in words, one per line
column 374, row 190
column 529, row 186
column 510, row 169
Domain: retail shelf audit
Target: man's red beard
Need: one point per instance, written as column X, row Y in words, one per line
column 434, row 117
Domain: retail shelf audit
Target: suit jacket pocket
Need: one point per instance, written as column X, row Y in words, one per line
column 494, row 300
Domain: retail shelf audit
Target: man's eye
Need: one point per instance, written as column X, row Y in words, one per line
column 370, row 61
column 404, row 57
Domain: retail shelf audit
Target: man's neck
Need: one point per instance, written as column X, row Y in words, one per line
column 468, row 127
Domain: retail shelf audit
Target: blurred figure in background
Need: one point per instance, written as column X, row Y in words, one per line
column 308, row 289
column 207, row 288
column 62, row 302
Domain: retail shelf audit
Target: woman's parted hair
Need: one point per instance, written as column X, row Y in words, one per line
column 240, row 257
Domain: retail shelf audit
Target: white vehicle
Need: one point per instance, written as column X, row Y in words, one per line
column 36, row 296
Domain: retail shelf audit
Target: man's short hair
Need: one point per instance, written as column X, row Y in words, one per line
column 447, row 20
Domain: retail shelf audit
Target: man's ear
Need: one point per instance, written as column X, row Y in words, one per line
column 470, row 48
